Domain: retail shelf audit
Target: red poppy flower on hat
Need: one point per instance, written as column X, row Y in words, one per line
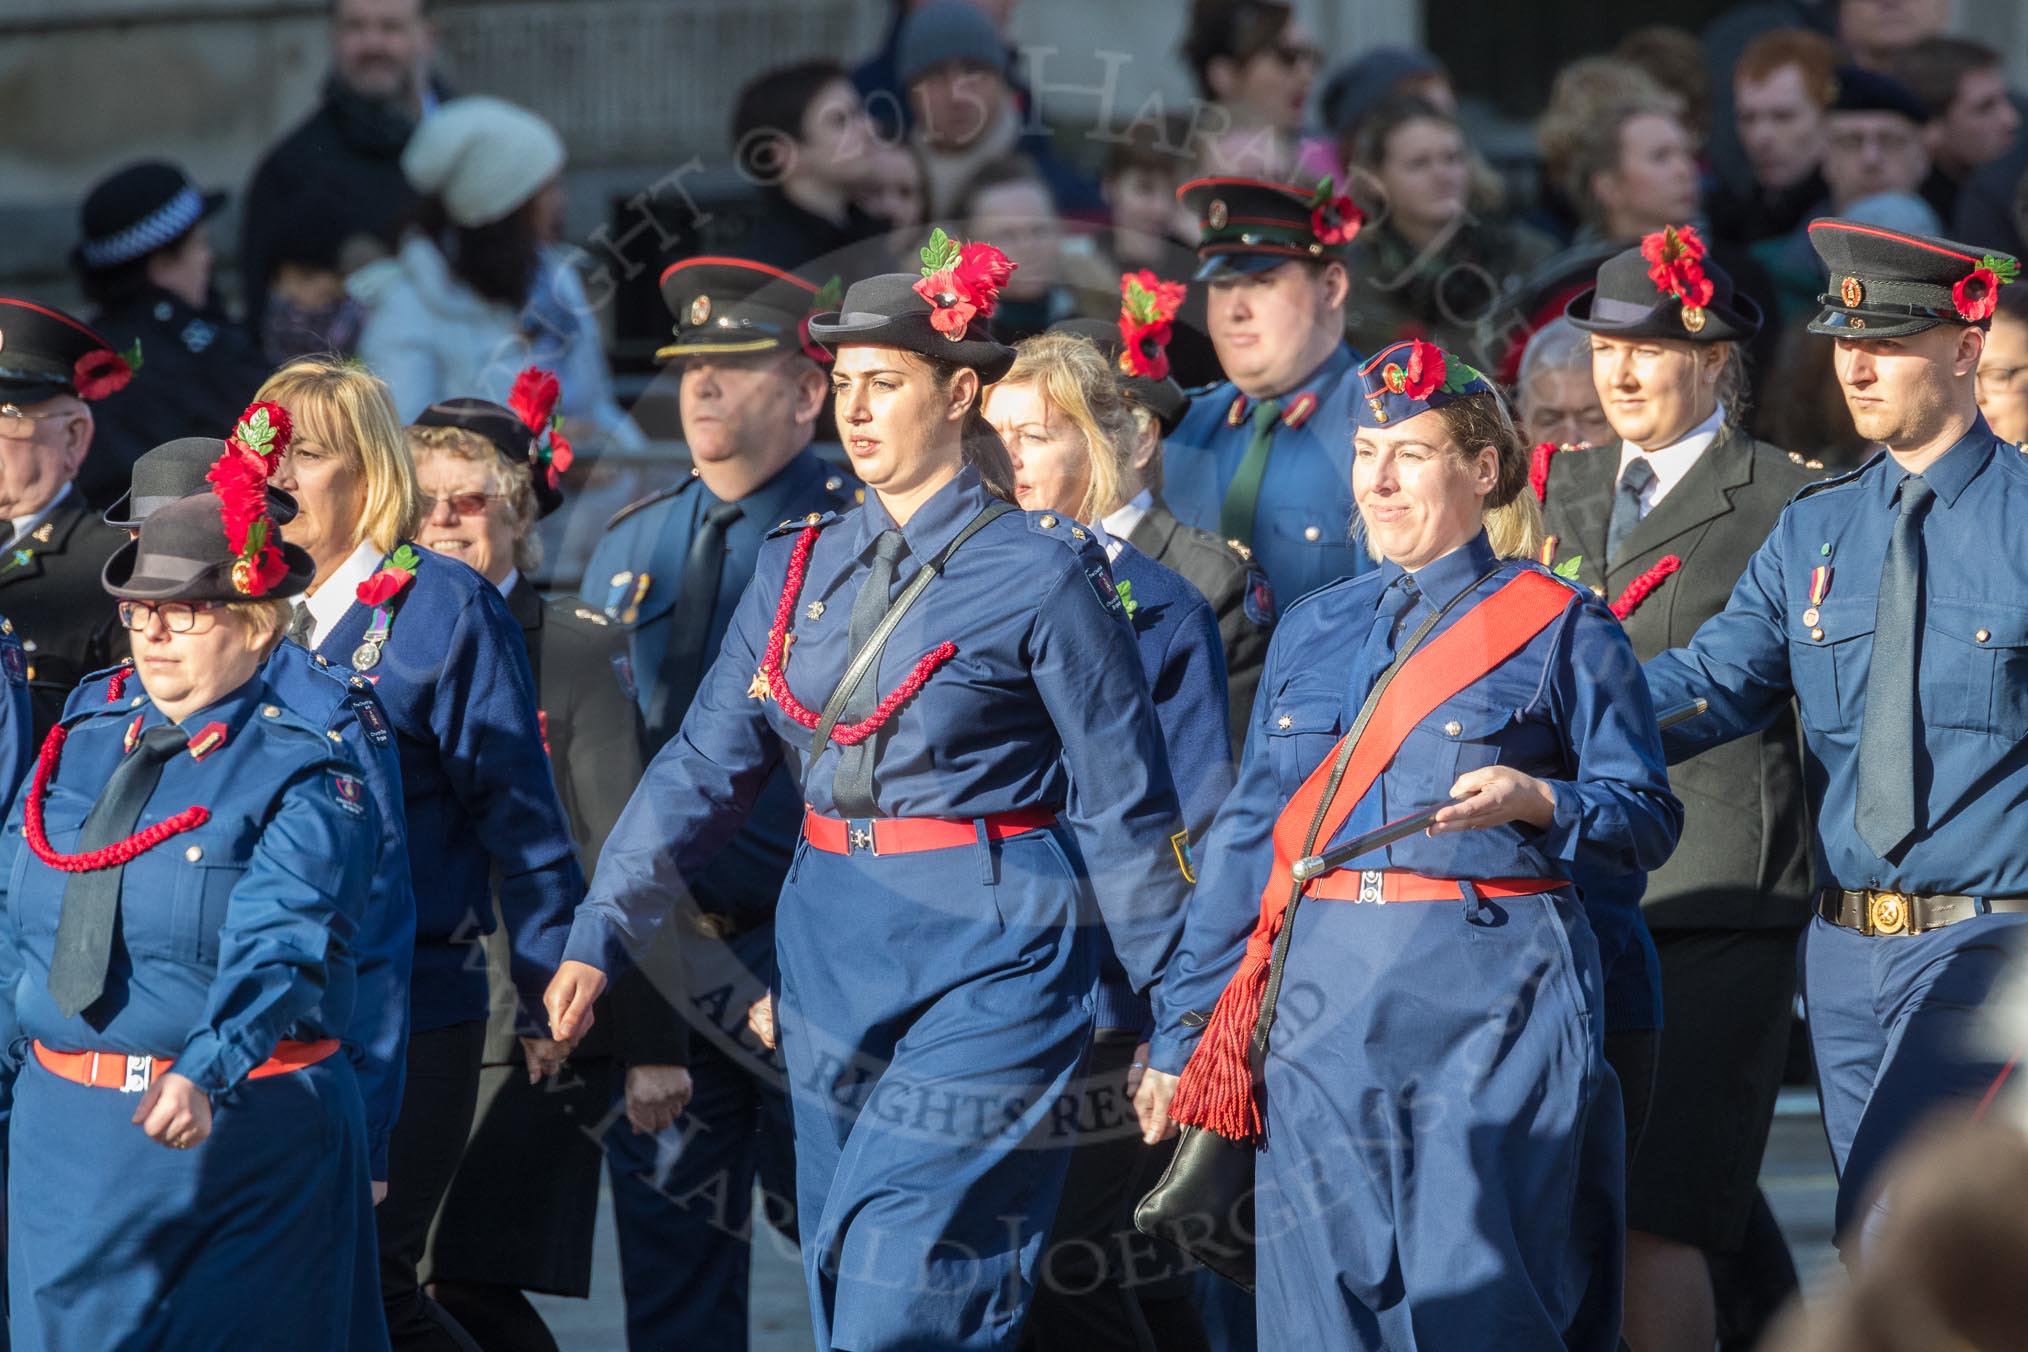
column 1334, row 219
column 266, row 430
column 1423, row 375
column 961, row 282
column 1148, row 305
column 1675, row 255
column 1977, row 294
column 533, row 400
column 102, row 371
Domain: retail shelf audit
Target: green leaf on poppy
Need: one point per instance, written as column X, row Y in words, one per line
column 1126, row 591
column 132, row 356
column 828, row 296
column 2001, row 266
column 1567, row 570
column 1458, row 374
column 940, row 253
column 257, row 434
column 405, row 559
column 256, row 537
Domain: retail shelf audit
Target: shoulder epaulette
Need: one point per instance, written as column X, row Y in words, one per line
column 663, row 496
column 1060, row 528
column 1836, row 479
column 796, row 523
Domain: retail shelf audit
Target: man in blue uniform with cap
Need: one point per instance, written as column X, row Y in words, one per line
column 1264, row 459
column 672, row 569
column 1886, row 606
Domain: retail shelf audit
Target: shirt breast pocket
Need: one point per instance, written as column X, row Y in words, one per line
column 1828, row 661
column 1975, row 667
column 1462, row 736
column 1316, row 526
column 1302, row 727
column 203, row 896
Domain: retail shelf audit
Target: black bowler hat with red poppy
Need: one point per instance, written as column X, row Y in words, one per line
column 1251, row 225
column 1888, row 284
column 45, row 352
column 940, row 314
column 1665, row 287
column 1137, row 344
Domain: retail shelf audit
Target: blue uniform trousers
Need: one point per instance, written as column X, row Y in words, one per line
column 259, row 1237
column 935, row 1007
column 683, row 1198
column 1444, row 1153
column 1894, row 1025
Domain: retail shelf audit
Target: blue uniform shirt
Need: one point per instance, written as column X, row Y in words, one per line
column 345, row 706
column 635, row 578
column 1043, row 705
column 232, row 936
column 1971, row 765
column 1184, row 664
column 1566, row 708
column 1304, row 522
column 17, row 730
column 454, row 681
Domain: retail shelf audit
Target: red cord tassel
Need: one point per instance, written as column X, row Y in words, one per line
column 844, row 734
column 1538, row 469
column 1217, row 1091
column 116, row 684
column 1641, row 587
column 120, row 851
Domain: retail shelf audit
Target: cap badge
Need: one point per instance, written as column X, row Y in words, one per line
column 1395, row 378
column 1215, row 215
column 700, row 310
column 1694, row 318
column 1851, row 293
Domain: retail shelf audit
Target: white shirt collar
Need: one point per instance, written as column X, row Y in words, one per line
column 24, row 524
column 508, row 582
column 1111, row 546
column 1122, row 520
column 336, row 595
column 1675, row 460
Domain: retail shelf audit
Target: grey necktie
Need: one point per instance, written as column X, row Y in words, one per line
column 852, row 785
column 302, row 625
column 1883, row 810
column 91, row 900
column 1634, row 481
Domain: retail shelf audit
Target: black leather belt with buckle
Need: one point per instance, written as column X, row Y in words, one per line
column 1876, row 914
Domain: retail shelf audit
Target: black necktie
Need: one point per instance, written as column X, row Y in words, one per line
column 684, row 661
column 852, row 785
column 1884, row 808
column 91, row 901
column 302, row 625
column 1634, row 480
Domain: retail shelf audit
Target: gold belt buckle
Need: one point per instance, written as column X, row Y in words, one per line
column 1887, row 912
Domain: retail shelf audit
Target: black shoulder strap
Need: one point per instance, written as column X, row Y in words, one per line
column 863, row 661
column 1278, row 959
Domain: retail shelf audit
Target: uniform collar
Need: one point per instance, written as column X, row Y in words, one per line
column 1950, row 473
column 1442, row 580
column 231, row 710
column 1299, row 403
column 795, row 490
column 936, row 523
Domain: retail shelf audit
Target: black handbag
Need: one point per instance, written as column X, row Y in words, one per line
column 1203, row 1204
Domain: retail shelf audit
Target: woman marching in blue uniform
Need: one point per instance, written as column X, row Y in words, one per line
column 990, row 767
column 185, row 877
column 1067, row 426
column 446, row 658
column 1441, row 1138
column 344, row 705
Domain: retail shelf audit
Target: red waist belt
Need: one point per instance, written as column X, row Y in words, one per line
column 133, row 1074
column 1385, row 885
column 908, row 835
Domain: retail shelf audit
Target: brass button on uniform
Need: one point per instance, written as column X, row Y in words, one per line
column 1817, row 634
column 1313, row 532
column 1983, row 635
column 1285, row 722
column 1453, row 728
column 1048, row 522
column 271, row 711
column 194, row 853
